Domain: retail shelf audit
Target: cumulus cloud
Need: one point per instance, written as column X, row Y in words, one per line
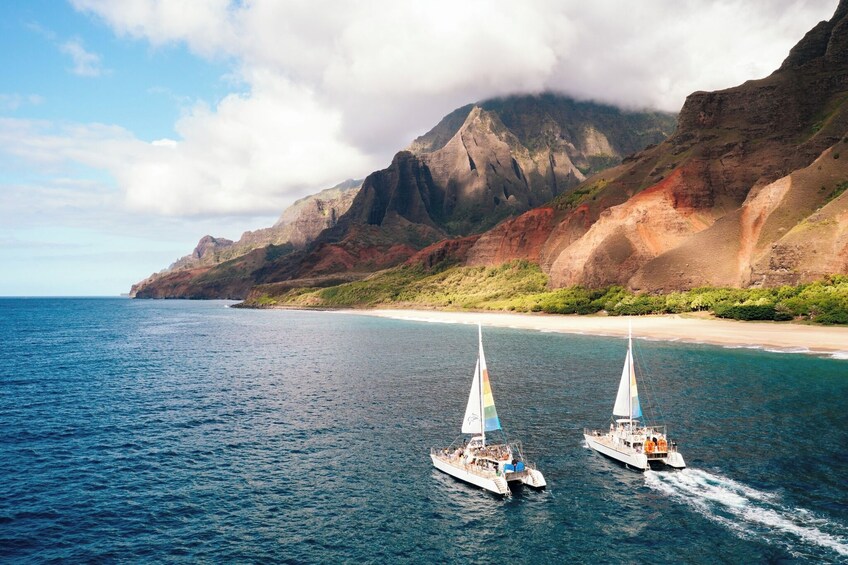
column 251, row 154
column 86, row 64
column 333, row 88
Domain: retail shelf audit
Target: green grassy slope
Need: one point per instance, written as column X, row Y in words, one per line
column 521, row 286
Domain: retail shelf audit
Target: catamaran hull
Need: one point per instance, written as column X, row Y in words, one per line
column 497, row 485
column 638, row 461
column 675, row 460
column 532, row 478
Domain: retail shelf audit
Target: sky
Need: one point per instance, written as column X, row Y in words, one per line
column 129, row 129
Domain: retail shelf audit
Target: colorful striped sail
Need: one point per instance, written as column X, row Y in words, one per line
column 490, row 414
column 480, row 413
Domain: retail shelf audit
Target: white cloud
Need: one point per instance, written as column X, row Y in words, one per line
column 206, row 26
column 251, row 154
column 86, row 64
column 334, row 88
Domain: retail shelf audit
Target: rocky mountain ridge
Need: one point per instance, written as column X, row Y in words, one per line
column 298, row 226
column 467, row 174
column 750, row 190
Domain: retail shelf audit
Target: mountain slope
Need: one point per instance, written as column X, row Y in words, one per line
column 515, row 153
column 723, row 201
column 481, row 164
column 467, row 174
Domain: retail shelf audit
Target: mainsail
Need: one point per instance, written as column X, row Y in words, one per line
column 480, row 413
column 627, row 400
column 471, row 422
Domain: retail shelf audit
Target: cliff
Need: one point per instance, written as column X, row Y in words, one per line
column 750, row 190
column 481, row 164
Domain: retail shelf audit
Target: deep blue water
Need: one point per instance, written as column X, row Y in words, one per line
column 188, row 431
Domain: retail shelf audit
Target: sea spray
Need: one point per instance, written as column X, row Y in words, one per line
column 750, row 512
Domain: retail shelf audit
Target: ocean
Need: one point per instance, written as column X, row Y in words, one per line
column 185, row 431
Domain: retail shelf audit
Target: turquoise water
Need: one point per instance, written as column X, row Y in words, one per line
column 188, row 431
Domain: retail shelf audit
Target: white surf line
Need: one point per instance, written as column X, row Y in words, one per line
column 748, row 511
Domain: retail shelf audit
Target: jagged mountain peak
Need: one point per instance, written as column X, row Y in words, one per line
column 827, row 41
column 318, row 200
column 481, row 164
column 441, row 133
column 208, row 244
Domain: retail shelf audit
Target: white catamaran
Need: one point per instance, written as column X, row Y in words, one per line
column 628, row 441
column 489, row 465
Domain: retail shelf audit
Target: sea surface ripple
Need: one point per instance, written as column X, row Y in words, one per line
column 188, row 431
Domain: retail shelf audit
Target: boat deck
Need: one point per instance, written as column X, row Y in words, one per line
column 608, row 440
column 474, row 469
column 458, row 462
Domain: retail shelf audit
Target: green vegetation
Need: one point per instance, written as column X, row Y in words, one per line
column 457, row 287
column 840, row 188
column 521, row 286
column 274, row 252
column 579, row 195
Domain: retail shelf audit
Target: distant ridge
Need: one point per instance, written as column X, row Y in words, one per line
column 298, row 226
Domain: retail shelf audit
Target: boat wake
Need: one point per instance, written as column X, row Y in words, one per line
column 751, row 513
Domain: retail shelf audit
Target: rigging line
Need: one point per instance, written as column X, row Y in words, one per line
column 649, row 389
column 507, row 412
column 653, row 398
column 501, row 400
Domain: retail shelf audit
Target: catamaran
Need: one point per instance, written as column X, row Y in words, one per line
column 628, row 441
column 480, row 461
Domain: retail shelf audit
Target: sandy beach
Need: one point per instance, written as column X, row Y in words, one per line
column 831, row 341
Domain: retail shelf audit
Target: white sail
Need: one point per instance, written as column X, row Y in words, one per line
column 627, row 399
column 472, row 423
column 622, row 400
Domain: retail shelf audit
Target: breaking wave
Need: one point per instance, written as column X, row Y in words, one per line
column 749, row 512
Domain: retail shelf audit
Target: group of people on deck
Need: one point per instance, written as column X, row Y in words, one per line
column 654, row 445
column 497, row 452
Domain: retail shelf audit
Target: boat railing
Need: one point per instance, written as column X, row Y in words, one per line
column 456, row 458
column 450, row 451
column 656, row 429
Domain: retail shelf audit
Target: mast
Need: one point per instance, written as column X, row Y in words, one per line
column 480, row 383
column 630, row 371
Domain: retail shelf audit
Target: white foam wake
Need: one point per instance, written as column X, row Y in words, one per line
column 750, row 512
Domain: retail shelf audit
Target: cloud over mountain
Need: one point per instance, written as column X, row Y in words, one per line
column 331, row 90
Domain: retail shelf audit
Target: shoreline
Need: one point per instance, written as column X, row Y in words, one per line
column 779, row 337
